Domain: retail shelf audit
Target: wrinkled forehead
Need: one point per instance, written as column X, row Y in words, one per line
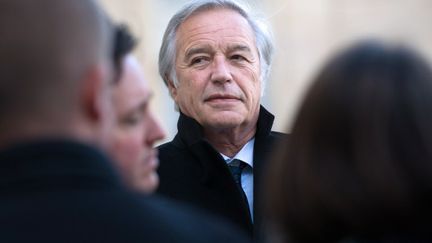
column 213, row 25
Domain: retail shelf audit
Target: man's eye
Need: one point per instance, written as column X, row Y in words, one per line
column 132, row 120
column 198, row 60
column 238, row 58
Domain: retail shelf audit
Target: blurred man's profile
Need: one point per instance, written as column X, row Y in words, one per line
column 135, row 130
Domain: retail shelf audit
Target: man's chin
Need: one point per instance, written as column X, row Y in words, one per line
column 147, row 184
column 224, row 122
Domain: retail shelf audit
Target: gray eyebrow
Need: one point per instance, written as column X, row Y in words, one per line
column 207, row 49
column 239, row 48
column 194, row 50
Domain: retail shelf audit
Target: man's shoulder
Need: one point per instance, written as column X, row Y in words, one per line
column 174, row 161
column 172, row 150
column 280, row 135
column 175, row 144
column 277, row 137
column 165, row 146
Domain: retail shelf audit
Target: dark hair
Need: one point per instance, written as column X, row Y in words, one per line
column 124, row 43
column 359, row 159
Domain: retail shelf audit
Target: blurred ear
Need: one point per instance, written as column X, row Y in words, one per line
column 95, row 95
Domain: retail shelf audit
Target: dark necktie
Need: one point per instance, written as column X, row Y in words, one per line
column 236, row 167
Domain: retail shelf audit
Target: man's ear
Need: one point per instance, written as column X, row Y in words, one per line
column 95, row 94
column 172, row 88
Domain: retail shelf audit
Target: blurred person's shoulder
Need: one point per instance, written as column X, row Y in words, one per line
column 190, row 224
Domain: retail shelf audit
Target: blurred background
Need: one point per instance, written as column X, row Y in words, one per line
column 306, row 33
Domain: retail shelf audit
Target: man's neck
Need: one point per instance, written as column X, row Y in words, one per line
column 229, row 141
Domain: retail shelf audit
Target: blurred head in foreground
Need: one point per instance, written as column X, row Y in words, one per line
column 136, row 129
column 55, row 71
column 359, row 161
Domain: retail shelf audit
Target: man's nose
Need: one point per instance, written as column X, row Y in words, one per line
column 221, row 71
column 154, row 131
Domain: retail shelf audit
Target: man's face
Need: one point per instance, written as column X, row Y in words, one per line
column 136, row 129
column 218, row 70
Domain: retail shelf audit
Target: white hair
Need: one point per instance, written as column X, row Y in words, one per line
column 261, row 31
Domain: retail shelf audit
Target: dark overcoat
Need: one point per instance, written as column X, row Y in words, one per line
column 63, row 191
column 191, row 170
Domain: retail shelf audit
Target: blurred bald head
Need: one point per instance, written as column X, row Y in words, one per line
column 54, row 55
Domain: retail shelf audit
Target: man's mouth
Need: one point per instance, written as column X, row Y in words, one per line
column 219, row 97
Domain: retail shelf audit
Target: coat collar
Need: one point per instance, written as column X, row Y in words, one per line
column 190, row 136
column 191, row 132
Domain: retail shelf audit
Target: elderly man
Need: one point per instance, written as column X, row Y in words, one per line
column 56, row 186
column 215, row 59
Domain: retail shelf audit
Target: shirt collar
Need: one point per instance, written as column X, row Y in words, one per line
column 245, row 154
